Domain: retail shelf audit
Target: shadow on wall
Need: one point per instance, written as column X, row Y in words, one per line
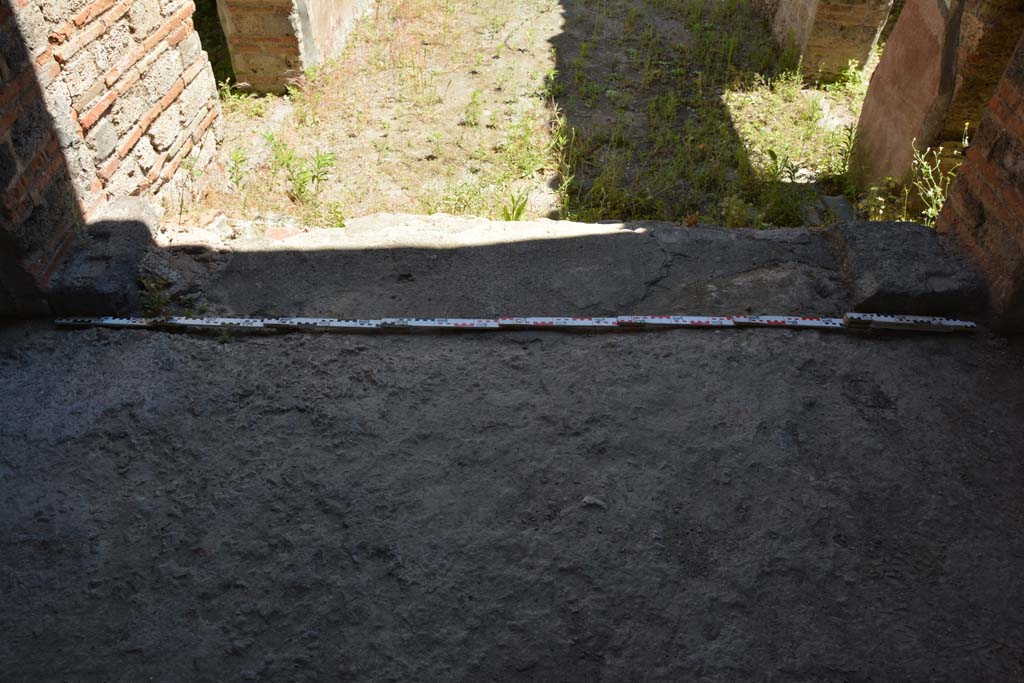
column 211, row 35
column 39, row 216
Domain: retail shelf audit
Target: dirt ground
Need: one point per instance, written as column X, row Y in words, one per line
column 721, row 506
column 620, row 110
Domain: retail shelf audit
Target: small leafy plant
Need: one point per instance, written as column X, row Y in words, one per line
column 474, row 110
column 932, row 181
column 234, row 99
column 782, row 168
column 307, row 174
column 236, row 167
column 516, row 207
column 155, row 299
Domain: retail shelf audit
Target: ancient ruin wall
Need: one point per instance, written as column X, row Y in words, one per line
column 331, row 22
column 989, row 30
column 985, row 208
column 119, row 96
column 830, row 33
column 272, row 42
column 938, row 71
column 264, row 42
column 38, row 213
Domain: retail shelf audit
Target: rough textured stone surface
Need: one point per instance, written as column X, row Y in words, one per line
column 103, row 139
column 33, row 28
column 191, row 50
column 129, row 109
column 108, row 71
column 778, row 506
column 473, row 267
column 126, row 178
column 166, row 128
column 906, row 268
column 37, row 193
column 20, row 295
column 162, row 74
column 145, row 16
column 545, row 267
column 100, row 275
column 985, row 208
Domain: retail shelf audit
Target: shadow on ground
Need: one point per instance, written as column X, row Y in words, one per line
column 641, row 84
column 693, row 505
column 722, row 506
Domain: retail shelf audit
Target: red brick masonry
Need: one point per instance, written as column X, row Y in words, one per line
column 985, row 208
column 125, row 65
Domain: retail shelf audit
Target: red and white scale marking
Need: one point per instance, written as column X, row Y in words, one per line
column 851, row 321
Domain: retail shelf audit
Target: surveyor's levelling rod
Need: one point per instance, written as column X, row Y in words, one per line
column 851, row 321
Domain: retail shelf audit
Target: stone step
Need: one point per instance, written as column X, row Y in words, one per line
column 403, row 265
column 440, row 265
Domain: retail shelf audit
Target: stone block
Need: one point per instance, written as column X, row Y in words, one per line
column 130, row 108
column 169, row 7
column 125, row 179
column 144, row 154
column 83, row 67
column 162, row 74
column 197, row 93
column 82, row 167
column 191, row 48
column 58, row 103
column 57, row 12
column 102, row 139
column 166, row 128
column 100, row 276
column 144, row 17
column 906, row 268
column 115, row 42
column 34, row 29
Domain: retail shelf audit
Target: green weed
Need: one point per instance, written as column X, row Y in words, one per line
column 155, row 299
column 233, row 100
column 515, row 208
column 473, row 111
column 236, row 167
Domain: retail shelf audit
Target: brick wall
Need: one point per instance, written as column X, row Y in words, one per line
column 830, row 33
column 264, row 40
column 985, row 208
column 108, row 98
column 38, row 212
column 272, row 41
column 939, row 69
